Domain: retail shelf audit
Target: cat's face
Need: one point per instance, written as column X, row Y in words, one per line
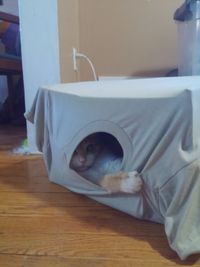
column 85, row 154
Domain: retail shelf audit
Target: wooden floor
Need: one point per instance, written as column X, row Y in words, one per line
column 42, row 224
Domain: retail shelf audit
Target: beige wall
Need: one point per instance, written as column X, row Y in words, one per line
column 125, row 38
column 68, row 23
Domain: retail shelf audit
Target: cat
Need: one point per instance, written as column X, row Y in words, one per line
column 97, row 163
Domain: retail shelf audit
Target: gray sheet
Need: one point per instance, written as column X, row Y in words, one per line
column 157, row 123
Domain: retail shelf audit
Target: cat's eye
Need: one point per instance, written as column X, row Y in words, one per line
column 90, row 148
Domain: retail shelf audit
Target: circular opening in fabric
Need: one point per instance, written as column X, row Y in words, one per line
column 96, row 150
column 110, row 133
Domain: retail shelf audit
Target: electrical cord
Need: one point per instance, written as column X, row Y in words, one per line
column 80, row 55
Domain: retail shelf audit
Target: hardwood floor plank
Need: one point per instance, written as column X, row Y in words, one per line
column 79, row 245
column 79, row 222
column 84, row 248
column 55, row 261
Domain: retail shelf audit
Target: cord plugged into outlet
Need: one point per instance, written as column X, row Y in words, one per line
column 76, row 55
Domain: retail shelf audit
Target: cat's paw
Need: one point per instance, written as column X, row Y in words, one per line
column 132, row 183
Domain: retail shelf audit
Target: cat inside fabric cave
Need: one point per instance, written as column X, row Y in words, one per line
column 98, row 158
